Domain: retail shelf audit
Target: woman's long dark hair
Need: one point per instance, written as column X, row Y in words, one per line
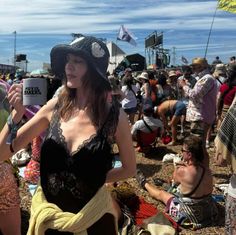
column 128, row 82
column 96, row 89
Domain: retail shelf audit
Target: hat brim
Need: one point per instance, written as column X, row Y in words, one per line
column 141, row 77
column 137, row 79
column 220, row 72
column 58, row 59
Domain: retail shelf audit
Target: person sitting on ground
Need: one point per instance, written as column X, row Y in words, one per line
column 148, row 124
column 191, row 201
column 175, row 109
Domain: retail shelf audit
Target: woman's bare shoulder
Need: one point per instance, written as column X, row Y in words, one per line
column 49, row 107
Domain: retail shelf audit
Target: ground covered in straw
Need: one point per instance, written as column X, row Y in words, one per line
column 153, row 167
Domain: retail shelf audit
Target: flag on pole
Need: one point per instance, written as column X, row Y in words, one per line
column 227, row 5
column 125, row 35
column 184, row 60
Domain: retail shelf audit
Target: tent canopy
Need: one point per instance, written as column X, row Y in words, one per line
column 39, row 72
column 135, row 61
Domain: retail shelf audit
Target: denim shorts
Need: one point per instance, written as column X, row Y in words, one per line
column 180, row 109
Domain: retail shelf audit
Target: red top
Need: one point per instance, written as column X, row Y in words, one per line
column 230, row 94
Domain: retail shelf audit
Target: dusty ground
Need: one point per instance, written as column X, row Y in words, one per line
column 152, row 167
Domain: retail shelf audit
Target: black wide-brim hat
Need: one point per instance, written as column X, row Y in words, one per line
column 93, row 50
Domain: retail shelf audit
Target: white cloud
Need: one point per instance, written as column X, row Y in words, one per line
column 173, row 17
column 64, row 16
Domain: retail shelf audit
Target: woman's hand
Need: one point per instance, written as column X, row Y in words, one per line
column 15, row 98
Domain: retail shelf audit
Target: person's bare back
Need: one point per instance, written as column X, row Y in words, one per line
column 195, row 180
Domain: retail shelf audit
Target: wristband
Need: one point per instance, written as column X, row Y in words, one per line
column 13, row 128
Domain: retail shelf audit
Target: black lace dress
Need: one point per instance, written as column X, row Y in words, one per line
column 70, row 180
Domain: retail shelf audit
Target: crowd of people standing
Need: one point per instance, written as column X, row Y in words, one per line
column 89, row 114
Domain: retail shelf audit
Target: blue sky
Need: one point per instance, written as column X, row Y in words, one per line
column 41, row 24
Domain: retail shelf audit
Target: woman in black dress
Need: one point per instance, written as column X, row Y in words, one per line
column 82, row 125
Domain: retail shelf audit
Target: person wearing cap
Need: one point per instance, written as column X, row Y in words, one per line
column 76, row 158
column 201, row 110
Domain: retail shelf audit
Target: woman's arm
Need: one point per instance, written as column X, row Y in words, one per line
column 126, row 152
column 27, row 132
column 218, row 103
column 147, row 90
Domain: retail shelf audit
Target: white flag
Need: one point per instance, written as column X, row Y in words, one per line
column 125, row 35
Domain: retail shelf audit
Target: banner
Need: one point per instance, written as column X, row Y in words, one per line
column 227, row 5
column 125, row 35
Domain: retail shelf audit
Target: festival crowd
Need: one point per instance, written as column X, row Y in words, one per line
column 67, row 146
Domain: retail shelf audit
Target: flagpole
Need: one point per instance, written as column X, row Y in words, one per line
column 115, row 53
column 116, row 46
column 208, row 40
column 14, row 59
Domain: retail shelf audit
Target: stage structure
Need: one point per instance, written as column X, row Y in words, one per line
column 156, row 56
column 21, row 61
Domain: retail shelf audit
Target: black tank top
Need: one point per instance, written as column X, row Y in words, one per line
column 70, row 180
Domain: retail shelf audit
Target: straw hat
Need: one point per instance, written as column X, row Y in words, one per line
column 200, row 61
column 172, row 73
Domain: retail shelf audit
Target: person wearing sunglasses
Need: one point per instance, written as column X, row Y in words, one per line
column 189, row 201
